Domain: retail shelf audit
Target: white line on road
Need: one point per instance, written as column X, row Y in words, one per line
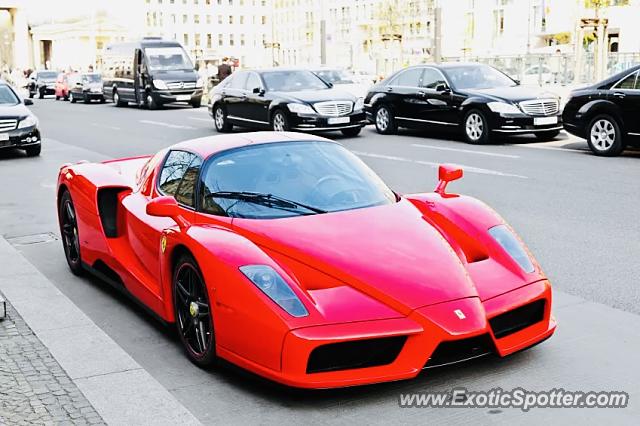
column 105, row 126
column 432, row 164
column 169, row 125
column 208, row 120
column 466, row 151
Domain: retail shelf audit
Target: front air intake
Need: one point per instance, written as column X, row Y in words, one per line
column 454, row 351
column 513, row 321
column 355, row 354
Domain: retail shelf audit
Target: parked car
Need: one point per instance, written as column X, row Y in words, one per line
column 475, row 98
column 284, row 99
column 286, row 255
column 62, row 86
column 150, row 73
column 18, row 125
column 42, row 83
column 86, row 87
column 343, row 80
column 606, row 114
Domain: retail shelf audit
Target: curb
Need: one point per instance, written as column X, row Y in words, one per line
column 120, row 390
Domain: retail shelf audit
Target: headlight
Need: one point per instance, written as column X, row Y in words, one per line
column 301, row 109
column 160, row 84
column 199, row 83
column 359, row 106
column 28, row 121
column 276, row 288
column 503, row 108
column 510, row 243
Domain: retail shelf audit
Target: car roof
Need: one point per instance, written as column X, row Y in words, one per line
column 211, row 145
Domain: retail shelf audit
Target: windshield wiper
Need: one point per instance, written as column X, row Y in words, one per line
column 268, row 200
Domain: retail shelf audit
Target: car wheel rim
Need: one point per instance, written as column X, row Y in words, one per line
column 193, row 312
column 603, row 135
column 278, row 123
column 70, row 232
column 474, row 126
column 382, row 119
column 219, row 118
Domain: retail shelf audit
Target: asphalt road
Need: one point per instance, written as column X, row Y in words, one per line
column 578, row 214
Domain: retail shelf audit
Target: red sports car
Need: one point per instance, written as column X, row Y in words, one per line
column 285, row 254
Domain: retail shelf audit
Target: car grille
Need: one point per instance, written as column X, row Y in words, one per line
column 181, row 85
column 333, row 109
column 9, row 124
column 520, row 318
column 540, row 107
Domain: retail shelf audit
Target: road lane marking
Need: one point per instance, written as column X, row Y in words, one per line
column 466, row 151
column 105, row 126
column 208, row 120
column 432, row 164
column 169, row 125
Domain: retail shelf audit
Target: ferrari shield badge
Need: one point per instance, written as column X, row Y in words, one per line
column 163, row 243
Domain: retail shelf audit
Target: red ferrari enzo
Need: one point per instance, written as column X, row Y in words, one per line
column 285, row 254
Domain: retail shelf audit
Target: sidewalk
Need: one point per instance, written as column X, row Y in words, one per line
column 57, row 366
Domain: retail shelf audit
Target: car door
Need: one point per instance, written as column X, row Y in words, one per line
column 177, row 178
column 256, row 105
column 436, row 103
column 403, row 94
column 626, row 94
column 235, row 96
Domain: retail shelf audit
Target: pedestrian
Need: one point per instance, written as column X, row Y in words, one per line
column 556, row 66
column 224, row 69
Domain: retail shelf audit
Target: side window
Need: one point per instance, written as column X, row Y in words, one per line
column 173, row 170
column 238, row 81
column 187, row 189
column 432, row 78
column 409, row 78
column 253, row 81
column 629, row 82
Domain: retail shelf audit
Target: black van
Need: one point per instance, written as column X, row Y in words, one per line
column 150, row 73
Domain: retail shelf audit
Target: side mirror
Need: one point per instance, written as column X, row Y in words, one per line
column 447, row 173
column 27, row 101
column 166, row 206
column 258, row 91
column 441, row 87
column 517, row 82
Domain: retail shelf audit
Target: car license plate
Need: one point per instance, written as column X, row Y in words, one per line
column 183, row 97
column 4, row 136
column 541, row 121
column 339, row 120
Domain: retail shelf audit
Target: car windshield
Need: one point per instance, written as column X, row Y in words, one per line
column 292, row 81
column 335, row 76
column 7, row 96
column 91, row 78
column 48, row 75
column 477, row 77
column 285, row 179
column 167, row 59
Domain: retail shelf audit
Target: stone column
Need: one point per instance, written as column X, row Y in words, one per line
column 21, row 39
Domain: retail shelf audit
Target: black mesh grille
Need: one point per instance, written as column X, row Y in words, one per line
column 517, row 319
column 355, row 354
column 453, row 351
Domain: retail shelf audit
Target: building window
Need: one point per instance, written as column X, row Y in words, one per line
column 209, row 44
column 208, row 19
column 185, row 39
column 231, row 19
column 197, row 41
column 219, row 19
column 242, row 41
column 196, row 19
column 231, row 40
column 185, row 18
column 220, row 40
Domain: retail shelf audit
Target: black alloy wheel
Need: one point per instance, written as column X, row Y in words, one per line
column 69, row 231
column 220, row 120
column 192, row 309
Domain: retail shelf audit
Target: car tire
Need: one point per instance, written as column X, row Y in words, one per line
column 66, row 97
column 102, row 100
column 41, row 94
column 385, row 121
column 196, row 104
column 547, row 136
column 72, row 98
column 604, row 136
column 31, row 95
column 279, row 121
column 150, row 102
column 85, row 98
column 116, row 99
column 33, row 151
column 351, row 132
column 476, row 128
column 57, row 98
column 68, row 222
column 193, row 314
column 220, row 120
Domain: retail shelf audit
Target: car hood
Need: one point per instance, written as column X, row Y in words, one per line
column 510, row 94
column 390, row 253
column 18, row 110
column 313, row 96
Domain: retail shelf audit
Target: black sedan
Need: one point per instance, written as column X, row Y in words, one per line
column 606, row 114
column 284, row 99
column 42, row 83
column 18, row 125
column 475, row 98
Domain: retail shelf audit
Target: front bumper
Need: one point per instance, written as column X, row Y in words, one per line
column 171, row 96
column 47, row 90
column 21, row 138
column 319, row 123
column 425, row 331
column 522, row 123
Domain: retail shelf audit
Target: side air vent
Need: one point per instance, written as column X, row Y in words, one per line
column 108, row 210
column 513, row 321
column 355, row 354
